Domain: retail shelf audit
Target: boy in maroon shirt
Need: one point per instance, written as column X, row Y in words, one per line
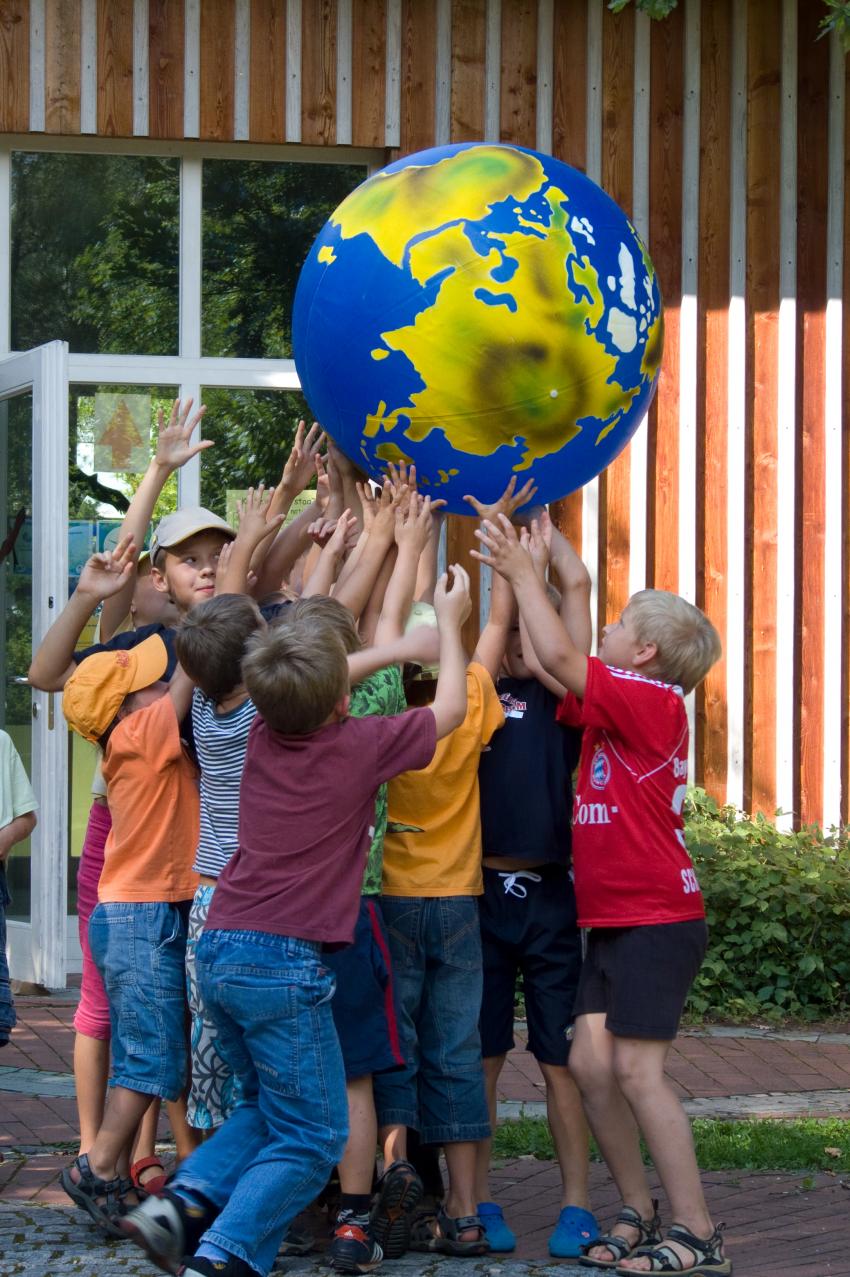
column 637, row 891
column 307, row 801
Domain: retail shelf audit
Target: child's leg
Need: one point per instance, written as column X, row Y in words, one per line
column 91, row 1018
column 91, row 1074
column 396, row 1092
column 357, row 1163
column 492, row 1065
column 569, row 1133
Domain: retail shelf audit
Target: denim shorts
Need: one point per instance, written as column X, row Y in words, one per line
column 435, row 944
column 140, row 951
column 364, row 1005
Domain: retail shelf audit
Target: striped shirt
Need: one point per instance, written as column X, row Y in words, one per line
column 220, row 741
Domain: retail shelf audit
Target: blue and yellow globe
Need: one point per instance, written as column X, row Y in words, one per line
column 482, row 310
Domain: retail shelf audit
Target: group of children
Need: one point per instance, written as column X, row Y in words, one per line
column 346, row 840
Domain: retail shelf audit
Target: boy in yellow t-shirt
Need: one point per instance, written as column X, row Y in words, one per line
column 432, row 878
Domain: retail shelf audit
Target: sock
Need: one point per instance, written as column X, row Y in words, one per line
column 214, row 1254
column 357, row 1203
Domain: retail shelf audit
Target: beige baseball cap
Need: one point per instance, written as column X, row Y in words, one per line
column 423, row 614
column 184, row 523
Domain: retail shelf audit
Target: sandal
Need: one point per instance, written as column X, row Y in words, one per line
column 648, row 1230
column 156, row 1183
column 440, row 1234
column 708, row 1257
column 102, row 1198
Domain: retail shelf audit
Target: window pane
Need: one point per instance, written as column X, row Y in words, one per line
column 95, row 252
column 253, row 432
column 260, row 220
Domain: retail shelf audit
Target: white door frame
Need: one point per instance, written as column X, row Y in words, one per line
column 37, row 949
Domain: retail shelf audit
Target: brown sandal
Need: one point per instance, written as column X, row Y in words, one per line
column 648, row 1230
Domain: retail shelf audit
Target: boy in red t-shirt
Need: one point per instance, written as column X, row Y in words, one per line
column 637, row 891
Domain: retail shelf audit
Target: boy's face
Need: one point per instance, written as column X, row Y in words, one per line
column 620, row 645
column 187, row 571
column 514, row 661
column 150, row 604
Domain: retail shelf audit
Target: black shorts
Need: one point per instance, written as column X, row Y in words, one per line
column 529, row 927
column 363, row 1005
column 641, row 976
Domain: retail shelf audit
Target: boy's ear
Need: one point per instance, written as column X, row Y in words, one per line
column 645, row 655
column 158, row 580
column 342, row 707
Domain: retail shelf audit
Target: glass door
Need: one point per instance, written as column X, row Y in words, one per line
column 33, row 591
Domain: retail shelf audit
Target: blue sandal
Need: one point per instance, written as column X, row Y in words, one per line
column 103, row 1199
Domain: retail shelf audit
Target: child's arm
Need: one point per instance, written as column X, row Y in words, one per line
column 326, row 570
column 413, row 529
column 353, row 589
column 173, row 450
column 255, row 525
column 180, row 690
column 299, row 469
column 16, row 831
column 493, row 639
column 420, row 645
column 554, row 647
column 452, row 607
column 103, row 576
column 574, row 580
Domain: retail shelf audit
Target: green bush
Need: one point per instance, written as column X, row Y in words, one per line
column 778, row 910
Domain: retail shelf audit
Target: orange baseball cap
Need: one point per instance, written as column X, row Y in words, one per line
column 96, row 690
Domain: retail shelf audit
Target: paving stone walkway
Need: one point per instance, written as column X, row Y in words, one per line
column 782, row 1225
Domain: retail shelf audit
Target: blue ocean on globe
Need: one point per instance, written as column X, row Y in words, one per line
column 482, row 310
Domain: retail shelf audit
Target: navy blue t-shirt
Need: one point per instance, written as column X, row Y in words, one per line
column 130, row 638
column 525, row 777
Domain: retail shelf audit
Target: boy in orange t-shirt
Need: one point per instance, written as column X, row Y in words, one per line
column 137, row 931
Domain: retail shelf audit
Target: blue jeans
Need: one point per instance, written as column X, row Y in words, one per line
column 269, row 998
column 435, row 944
column 8, row 1019
column 139, row 948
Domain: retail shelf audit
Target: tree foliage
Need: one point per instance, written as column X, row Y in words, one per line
column 837, row 17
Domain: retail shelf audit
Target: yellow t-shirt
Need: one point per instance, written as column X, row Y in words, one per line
column 435, row 847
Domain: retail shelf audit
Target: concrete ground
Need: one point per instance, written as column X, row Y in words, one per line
column 789, row 1225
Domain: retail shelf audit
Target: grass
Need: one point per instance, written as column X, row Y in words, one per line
column 807, row 1144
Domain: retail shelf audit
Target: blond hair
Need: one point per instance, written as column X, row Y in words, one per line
column 296, row 672
column 687, row 644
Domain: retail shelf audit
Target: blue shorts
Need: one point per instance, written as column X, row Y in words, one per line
column 364, row 1007
column 530, row 927
column 140, row 951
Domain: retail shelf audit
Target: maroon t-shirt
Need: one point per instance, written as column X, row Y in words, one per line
column 306, row 807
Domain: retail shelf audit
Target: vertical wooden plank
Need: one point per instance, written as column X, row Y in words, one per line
column 115, row 68
column 418, row 86
column 62, row 66
column 764, row 54
column 569, row 143
column 268, row 71
column 14, row 66
column 618, row 45
column 813, row 171
column 166, row 68
column 517, row 111
column 218, row 46
column 318, row 72
column 469, row 45
column 368, row 72
column 665, row 247
column 712, row 380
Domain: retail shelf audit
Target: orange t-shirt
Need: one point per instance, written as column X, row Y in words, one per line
column 153, row 797
column 435, row 847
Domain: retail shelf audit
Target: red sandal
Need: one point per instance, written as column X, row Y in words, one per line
column 150, row 1186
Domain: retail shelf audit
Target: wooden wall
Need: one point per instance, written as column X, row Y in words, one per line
column 722, row 130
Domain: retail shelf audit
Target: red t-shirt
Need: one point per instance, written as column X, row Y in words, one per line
column 306, row 808
column 631, row 865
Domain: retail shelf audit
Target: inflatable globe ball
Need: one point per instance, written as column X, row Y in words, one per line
column 481, row 310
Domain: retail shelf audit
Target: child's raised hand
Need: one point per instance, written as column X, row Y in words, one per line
column 413, row 525
column 504, row 552
column 225, row 554
column 509, row 502
column 301, row 463
column 106, row 573
column 254, row 522
column 452, row 603
column 173, row 448
column 340, row 539
column 534, row 540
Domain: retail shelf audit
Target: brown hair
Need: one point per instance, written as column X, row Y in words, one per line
column 210, row 643
column 687, row 644
column 329, row 612
column 296, row 672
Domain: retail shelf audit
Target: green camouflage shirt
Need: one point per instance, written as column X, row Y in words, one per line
column 380, row 693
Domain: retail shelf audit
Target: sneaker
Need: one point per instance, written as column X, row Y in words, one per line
column 167, row 1227
column 398, row 1194
column 574, row 1229
column 352, row 1248
column 501, row 1238
column 200, row 1266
